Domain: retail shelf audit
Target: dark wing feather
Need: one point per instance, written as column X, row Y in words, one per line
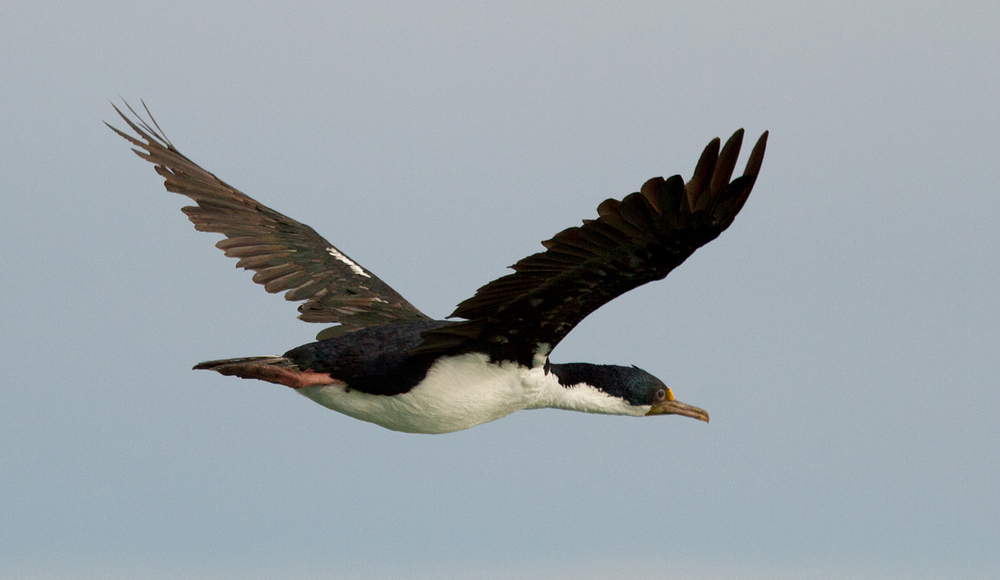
column 286, row 255
column 633, row 241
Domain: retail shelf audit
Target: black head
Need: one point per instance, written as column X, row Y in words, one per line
column 632, row 384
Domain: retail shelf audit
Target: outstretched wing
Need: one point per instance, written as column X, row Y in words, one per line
column 286, row 255
column 634, row 241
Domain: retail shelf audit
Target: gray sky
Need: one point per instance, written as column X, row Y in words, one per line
column 843, row 332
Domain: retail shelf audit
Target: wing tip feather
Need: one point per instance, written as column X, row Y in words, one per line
column 682, row 216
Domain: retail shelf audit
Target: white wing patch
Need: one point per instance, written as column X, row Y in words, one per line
column 542, row 351
column 350, row 263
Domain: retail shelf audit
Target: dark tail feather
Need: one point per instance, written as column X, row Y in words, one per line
column 273, row 369
column 214, row 365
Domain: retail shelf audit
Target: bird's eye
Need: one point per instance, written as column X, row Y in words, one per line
column 661, row 394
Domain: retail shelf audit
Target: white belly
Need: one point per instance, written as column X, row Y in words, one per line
column 458, row 393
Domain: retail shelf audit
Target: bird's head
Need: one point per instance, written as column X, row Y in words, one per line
column 619, row 390
column 647, row 390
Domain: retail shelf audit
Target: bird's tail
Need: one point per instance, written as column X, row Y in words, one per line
column 215, row 365
column 273, row 369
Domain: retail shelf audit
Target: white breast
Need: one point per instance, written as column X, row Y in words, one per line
column 457, row 393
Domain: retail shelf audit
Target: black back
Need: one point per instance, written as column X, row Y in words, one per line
column 375, row 359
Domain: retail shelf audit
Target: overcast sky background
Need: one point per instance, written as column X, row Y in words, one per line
column 843, row 333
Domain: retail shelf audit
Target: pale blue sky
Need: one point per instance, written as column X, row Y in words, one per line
column 844, row 333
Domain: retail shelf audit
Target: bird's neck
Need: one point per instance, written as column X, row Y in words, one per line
column 587, row 388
